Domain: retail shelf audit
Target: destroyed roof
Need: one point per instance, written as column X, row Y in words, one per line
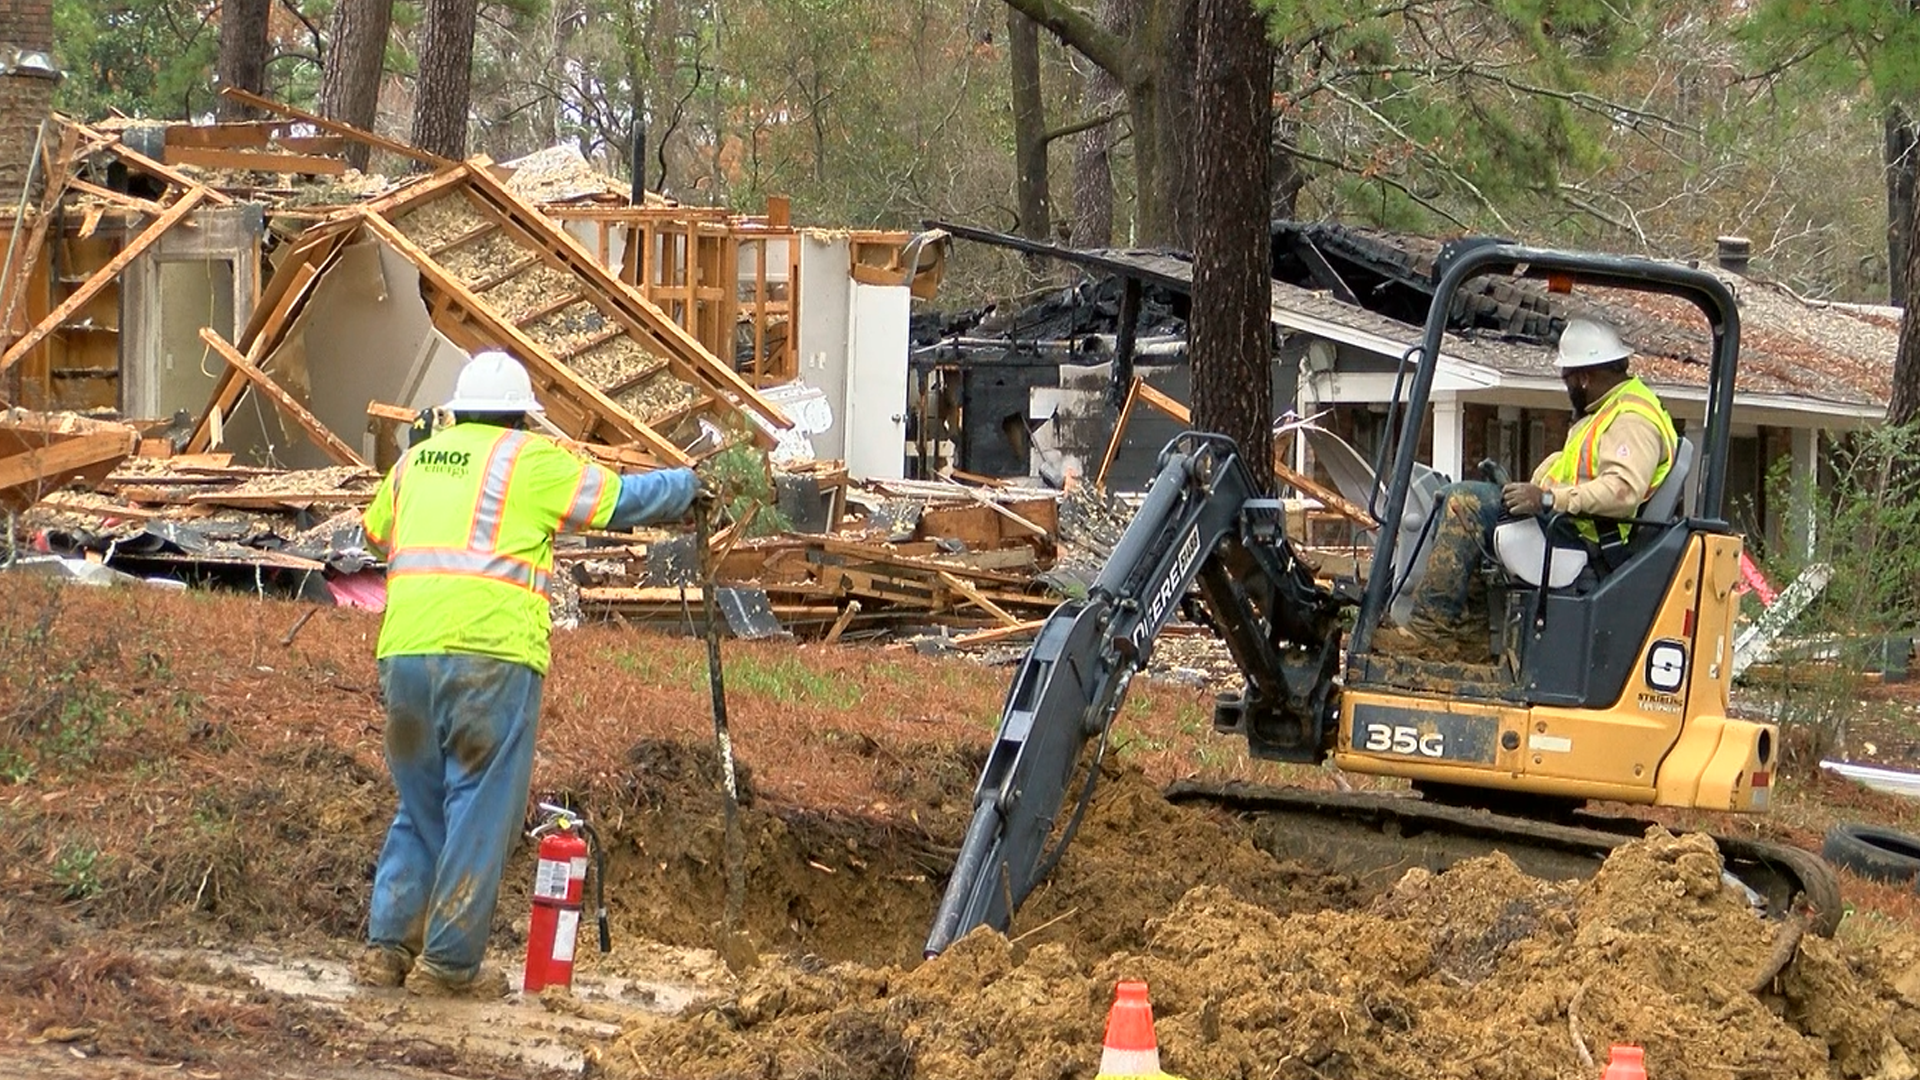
column 562, row 174
column 609, row 367
column 1789, row 346
column 1836, row 354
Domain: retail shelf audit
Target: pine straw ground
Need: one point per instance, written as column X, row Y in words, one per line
column 173, row 773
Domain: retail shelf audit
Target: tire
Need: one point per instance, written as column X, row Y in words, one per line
column 1873, row 852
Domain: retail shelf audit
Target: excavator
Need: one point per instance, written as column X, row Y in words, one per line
column 1609, row 683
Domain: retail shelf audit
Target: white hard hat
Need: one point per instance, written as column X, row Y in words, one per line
column 1589, row 343
column 493, row 382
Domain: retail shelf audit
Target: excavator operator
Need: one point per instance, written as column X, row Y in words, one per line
column 1618, row 450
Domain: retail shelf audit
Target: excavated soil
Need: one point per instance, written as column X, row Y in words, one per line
column 1477, row 972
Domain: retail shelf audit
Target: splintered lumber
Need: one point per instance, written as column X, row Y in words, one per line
column 35, row 461
column 1307, row 485
column 268, row 318
column 1000, row 633
column 840, row 624
column 338, row 128
column 104, row 276
column 135, row 158
column 19, row 267
column 317, row 431
column 1119, row 431
column 978, row 600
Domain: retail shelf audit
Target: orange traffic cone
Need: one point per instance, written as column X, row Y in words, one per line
column 1625, row 1063
column 1130, row 1048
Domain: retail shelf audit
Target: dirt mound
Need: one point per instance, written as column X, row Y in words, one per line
column 1480, row 971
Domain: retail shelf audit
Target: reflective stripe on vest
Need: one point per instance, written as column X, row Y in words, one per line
column 481, row 557
column 472, row 563
column 1583, row 463
column 586, row 499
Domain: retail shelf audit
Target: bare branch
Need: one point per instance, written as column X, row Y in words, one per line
column 1347, row 167
column 1079, row 126
column 1441, row 163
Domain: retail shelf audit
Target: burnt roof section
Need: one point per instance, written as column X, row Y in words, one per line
column 1789, row 346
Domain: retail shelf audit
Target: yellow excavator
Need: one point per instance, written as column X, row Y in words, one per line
column 1610, row 679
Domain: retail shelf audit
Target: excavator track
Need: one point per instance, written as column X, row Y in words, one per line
column 1380, row 835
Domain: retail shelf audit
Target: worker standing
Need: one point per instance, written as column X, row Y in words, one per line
column 467, row 520
column 1618, row 450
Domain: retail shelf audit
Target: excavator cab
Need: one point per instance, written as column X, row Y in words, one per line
column 1610, row 678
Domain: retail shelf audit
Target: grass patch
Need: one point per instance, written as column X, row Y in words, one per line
column 786, row 680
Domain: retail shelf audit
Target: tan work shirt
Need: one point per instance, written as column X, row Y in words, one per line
column 1630, row 451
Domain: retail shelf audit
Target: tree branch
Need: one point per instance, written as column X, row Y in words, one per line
column 1346, row 167
column 1441, row 163
column 312, row 30
column 1079, row 126
column 1109, row 50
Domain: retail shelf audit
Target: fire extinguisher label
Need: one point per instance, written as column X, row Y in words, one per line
column 550, row 880
column 564, row 932
column 579, row 868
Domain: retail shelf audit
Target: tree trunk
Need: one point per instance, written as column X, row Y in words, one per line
column 356, row 59
column 442, row 95
column 1903, row 407
column 1176, row 116
column 242, row 59
column 1903, row 164
column 1093, row 166
column 1231, row 340
column 1029, row 135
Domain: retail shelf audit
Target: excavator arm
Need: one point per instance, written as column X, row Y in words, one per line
column 1202, row 521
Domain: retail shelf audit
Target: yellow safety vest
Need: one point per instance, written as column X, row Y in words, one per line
column 467, row 519
column 1579, row 460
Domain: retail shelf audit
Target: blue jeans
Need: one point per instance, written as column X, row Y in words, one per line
column 460, row 735
column 1467, row 512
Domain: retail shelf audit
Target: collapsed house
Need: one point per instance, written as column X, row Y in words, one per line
column 1346, row 305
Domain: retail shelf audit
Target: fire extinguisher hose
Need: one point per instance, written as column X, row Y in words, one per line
column 599, row 884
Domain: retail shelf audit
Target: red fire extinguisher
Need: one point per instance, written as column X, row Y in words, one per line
column 559, row 894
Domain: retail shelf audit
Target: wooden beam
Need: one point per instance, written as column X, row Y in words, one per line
column 1000, row 633
column 317, row 431
column 380, row 411
column 840, row 624
column 173, row 176
column 979, row 601
column 43, row 463
column 530, row 351
column 262, row 328
column 119, row 198
column 19, row 269
column 1306, row 485
column 207, row 157
column 226, row 136
column 104, row 276
column 1119, row 431
column 338, row 128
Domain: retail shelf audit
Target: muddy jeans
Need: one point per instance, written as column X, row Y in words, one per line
column 460, row 735
column 1445, row 599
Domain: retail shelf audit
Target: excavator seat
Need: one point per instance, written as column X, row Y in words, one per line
column 1523, row 545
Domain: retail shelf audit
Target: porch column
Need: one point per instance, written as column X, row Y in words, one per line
column 1803, row 523
column 1448, row 436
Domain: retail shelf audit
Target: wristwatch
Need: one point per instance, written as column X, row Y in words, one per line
column 1546, row 501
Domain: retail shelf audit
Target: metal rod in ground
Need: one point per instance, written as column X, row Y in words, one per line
column 735, row 844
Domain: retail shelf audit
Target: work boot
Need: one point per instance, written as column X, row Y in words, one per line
column 486, row 984
column 383, row 966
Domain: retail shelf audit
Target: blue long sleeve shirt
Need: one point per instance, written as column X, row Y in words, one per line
column 662, row 495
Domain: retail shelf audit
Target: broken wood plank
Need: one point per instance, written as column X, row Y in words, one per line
column 103, row 277
column 141, row 161
column 268, row 318
column 1119, row 432
column 840, row 624
column 119, row 198
column 1000, row 633
column 985, row 500
column 27, row 475
column 317, row 431
column 68, row 506
column 1306, row 485
column 379, row 411
column 979, row 600
column 267, row 500
column 215, row 158
column 18, row 271
column 338, row 128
